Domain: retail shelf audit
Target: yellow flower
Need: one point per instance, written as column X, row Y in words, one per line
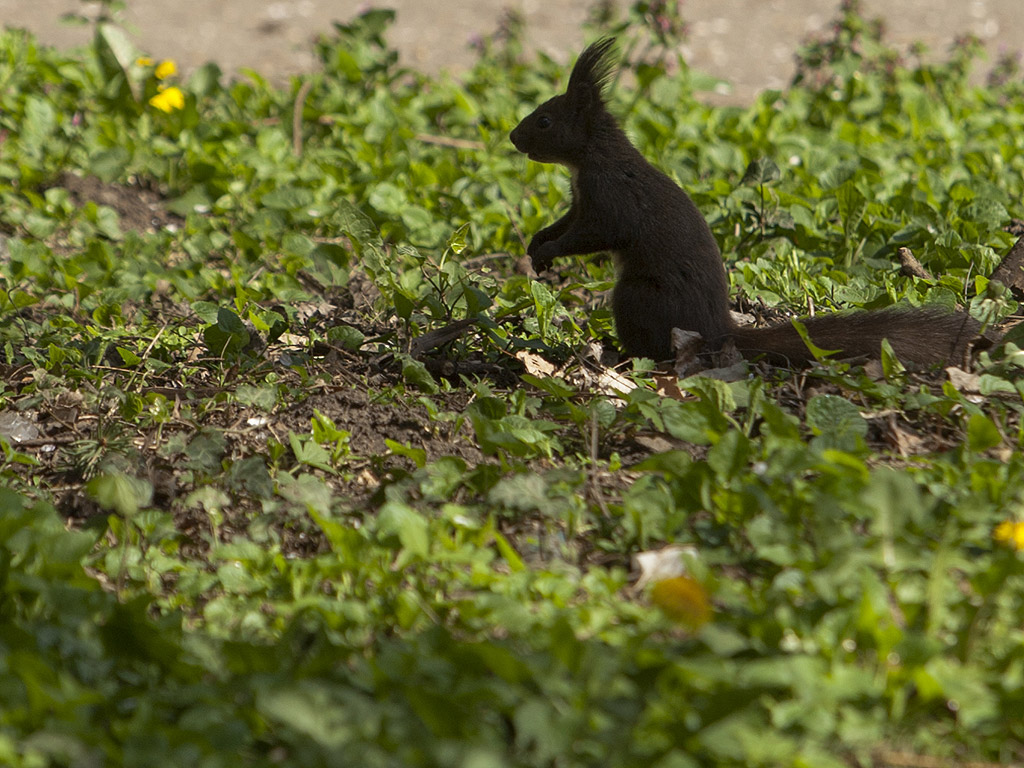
column 144, row 61
column 165, row 69
column 683, row 600
column 168, row 99
column 1010, row 532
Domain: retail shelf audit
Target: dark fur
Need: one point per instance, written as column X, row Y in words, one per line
column 671, row 273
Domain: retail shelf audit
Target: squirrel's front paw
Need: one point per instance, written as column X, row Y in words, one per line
column 542, row 256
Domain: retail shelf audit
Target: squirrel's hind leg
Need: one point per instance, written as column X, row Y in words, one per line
column 643, row 318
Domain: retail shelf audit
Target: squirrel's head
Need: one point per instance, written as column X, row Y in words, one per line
column 560, row 129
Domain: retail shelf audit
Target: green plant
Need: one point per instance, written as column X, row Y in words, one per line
column 300, row 470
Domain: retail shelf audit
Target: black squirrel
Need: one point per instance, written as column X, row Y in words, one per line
column 671, row 273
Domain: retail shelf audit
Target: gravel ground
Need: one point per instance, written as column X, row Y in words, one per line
column 749, row 43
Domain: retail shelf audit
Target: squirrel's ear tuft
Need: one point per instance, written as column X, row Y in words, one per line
column 593, row 68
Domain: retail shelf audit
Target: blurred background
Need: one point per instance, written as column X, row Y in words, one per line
column 749, row 43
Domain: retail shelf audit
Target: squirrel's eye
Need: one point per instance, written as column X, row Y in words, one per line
column 543, row 122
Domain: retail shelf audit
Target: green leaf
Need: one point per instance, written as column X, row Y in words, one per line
column 401, row 520
column 982, row 433
column 288, row 198
column 228, row 336
column 109, row 165
column 521, row 491
column 120, row 493
column 40, row 122
column 760, row 172
column 117, row 54
column 852, row 207
column 550, row 384
column 892, row 368
column 987, row 213
column 835, row 416
column 508, row 552
column 307, row 451
column 818, row 352
column 417, row 455
column 346, row 336
column 353, row 222
column 728, row 457
column 416, row 373
column 128, row 357
column 457, row 240
column 206, row 449
column 839, row 174
column 318, row 711
column 193, row 200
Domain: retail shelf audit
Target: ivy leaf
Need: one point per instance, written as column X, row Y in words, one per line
column 228, row 335
column 836, row 422
column 761, row 172
column 120, row 493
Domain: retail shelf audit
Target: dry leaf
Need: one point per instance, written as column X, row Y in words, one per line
column 905, row 442
column 606, row 381
column 611, row 382
column 873, row 370
column 535, row 364
column 735, row 372
column 293, row 340
column 307, row 310
column 962, row 380
column 654, row 443
column 687, row 346
column 665, row 563
column 728, row 355
column 668, row 386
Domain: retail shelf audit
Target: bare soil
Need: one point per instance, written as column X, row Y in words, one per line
column 749, row 43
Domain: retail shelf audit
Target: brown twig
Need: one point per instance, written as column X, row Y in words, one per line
column 448, row 141
column 483, row 258
column 910, row 266
column 440, row 336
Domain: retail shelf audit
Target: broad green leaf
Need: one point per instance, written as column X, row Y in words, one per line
column 835, row 416
column 761, row 171
column 401, row 520
column 982, row 433
column 121, row 493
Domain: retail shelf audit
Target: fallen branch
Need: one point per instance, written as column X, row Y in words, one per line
column 448, row 141
column 439, row 336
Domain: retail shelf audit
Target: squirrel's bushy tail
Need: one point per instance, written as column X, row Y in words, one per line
column 923, row 336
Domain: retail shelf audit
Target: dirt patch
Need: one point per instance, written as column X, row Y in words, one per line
column 747, row 43
column 138, row 208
